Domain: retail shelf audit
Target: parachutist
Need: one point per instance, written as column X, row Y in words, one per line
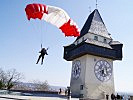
column 43, row 53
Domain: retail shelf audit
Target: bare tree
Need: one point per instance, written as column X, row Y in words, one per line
column 21, row 86
column 2, row 79
column 12, row 78
column 9, row 78
column 41, row 86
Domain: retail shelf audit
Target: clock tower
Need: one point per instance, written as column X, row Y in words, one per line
column 92, row 55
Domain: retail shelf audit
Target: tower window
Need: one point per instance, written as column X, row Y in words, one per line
column 83, row 39
column 81, row 96
column 81, row 87
column 77, row 42
column 96, row 38
column 105, row 40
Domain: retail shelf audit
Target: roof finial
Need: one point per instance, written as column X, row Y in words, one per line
column 90, row 8
column 96, row 4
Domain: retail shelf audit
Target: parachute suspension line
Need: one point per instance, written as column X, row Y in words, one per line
column 41, row 32
column 34, row 27
column 41, row 46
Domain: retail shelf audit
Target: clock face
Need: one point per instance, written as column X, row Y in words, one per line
column 103, row 70
column 76, row 69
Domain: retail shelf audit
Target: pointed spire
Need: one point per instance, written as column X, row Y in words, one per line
column 95, row 25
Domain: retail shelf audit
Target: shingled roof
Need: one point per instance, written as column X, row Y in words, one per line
column 94, row 24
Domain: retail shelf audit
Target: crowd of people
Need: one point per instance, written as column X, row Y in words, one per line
column 114, row 97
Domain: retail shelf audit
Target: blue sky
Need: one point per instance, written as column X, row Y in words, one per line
column 20, row 39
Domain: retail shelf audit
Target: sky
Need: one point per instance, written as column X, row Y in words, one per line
column 20, row 39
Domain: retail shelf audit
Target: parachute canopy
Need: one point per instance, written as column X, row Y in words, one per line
column 53, row 15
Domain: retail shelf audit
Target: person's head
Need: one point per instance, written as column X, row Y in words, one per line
column 43, row 49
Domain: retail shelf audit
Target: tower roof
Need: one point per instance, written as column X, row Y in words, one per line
column 95, row 25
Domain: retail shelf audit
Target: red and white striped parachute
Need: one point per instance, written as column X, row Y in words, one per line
column 53, row 15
